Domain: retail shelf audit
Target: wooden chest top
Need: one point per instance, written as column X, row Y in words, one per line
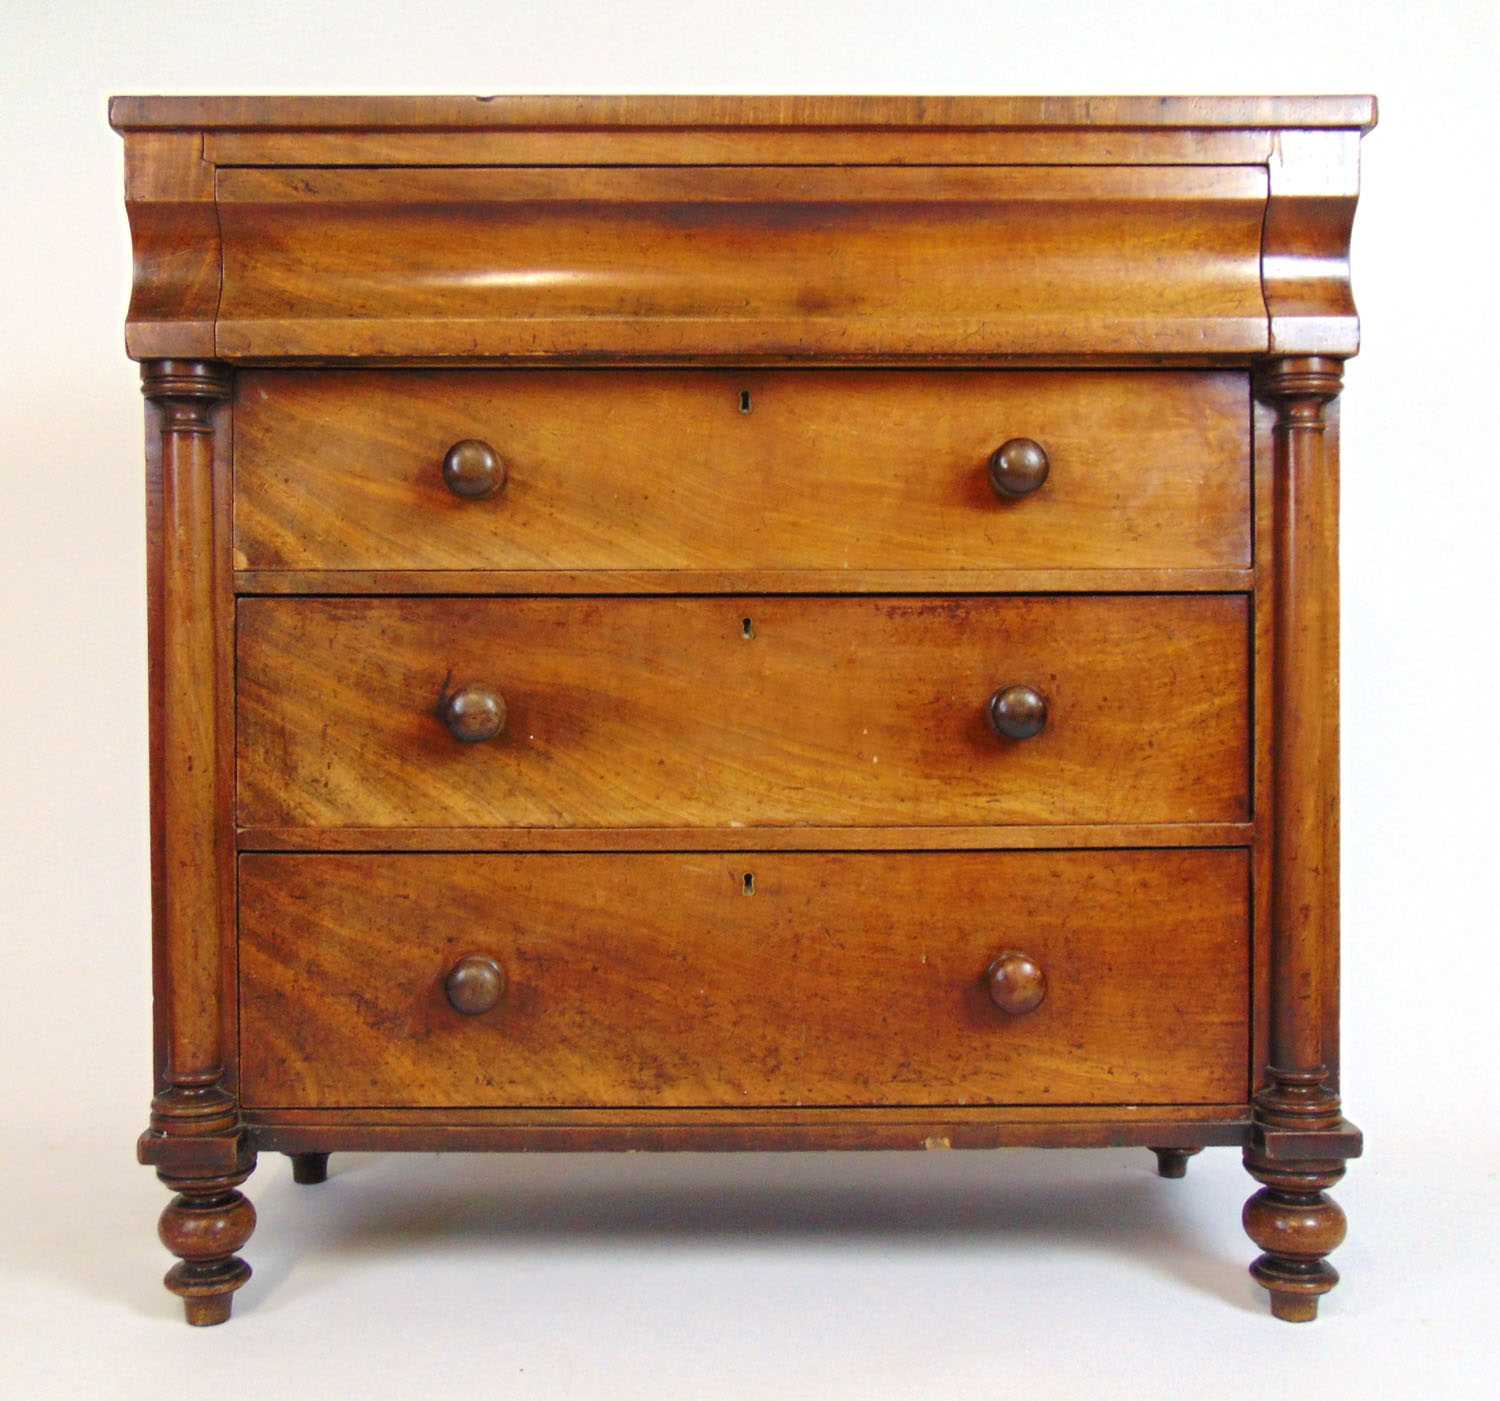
column 839, row 230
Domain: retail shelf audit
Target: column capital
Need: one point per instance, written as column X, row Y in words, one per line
column 192, row 381
column 1295, row 379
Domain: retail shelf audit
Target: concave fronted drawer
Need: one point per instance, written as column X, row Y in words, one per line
column 719, row 470
column 670, row 980
column 705, row 712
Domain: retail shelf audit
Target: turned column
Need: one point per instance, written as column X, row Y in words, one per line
column 1299, row 1137
column 194, row 1140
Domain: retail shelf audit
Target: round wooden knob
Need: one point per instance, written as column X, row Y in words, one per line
column 473, row 714
column 475, row 984
column 1018, row 467
column 1017, row 985
column 1017, row 712
column 473, row 470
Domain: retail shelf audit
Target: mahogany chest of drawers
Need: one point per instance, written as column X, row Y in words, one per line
column 743, row 623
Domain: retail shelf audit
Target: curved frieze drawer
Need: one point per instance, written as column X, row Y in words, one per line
column 792, row 263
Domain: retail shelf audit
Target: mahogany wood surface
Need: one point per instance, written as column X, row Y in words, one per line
column 713, row 130
column 174, row 226
column 762, row 1130
column 740, row 581
column 678, row 263
column 719, row 1128
column 192, row 780
column 1291, row 1218
column 777, row 980
column 520, row 145
column 825, row 471
column 728, row 112
column 1030, row 837
column 1303, row 149
column 585, row 537
column 739, row 712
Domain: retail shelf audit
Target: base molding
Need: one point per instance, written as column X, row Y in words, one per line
column 745, row 1131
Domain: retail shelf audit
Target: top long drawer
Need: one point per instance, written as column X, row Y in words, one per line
column 741, row 470
column 659, row 265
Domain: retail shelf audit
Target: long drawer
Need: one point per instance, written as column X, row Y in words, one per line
column 672, row 980
column 811, row 261
column 721, row 712
column 706, row 470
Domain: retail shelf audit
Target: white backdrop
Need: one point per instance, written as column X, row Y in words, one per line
column 1069, row 1274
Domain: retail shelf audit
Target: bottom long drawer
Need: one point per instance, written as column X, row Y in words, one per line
column 792, row 979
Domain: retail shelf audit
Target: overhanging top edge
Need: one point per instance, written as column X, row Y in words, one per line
column 604, row 113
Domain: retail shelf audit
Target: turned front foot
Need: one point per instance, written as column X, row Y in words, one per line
column 309, row 1168
column 203, row 1225
column 1172, row 1162
column 1296, row 1224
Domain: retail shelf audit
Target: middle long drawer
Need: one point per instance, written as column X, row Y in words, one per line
column 727, row 712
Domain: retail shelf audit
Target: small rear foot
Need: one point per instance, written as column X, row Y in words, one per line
column 312, row 1168
column 1172, row 1162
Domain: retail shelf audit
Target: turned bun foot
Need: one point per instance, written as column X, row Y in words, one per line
column 1296, row 1224
column 1172, row 1162
column 309, row 1168
column 1299, row 1308
column 209, row 1310
column 203, row 1226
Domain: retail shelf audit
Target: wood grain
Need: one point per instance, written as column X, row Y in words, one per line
column 760, row 1130
column 1230, row 1121
column 174, row 231
column 190, row 797
column 737, row 1129
column 1263, row 726
column 1309, row 223
column 664, row 712
column 793, row 112
column 680, row 263
column 487, row 582
column 973, row 838
column 701, row 146
column 827, row 471
column 655, row 980
column 1304, row 775
column 1291, row 1218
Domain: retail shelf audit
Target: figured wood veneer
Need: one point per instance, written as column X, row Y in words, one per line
column 665, row 262
column 758, row 980
column 732, row 712
column 739, row 470
column 599, row 113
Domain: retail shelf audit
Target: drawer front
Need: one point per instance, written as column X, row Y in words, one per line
column 809, row 262
column 741, row 470
column 672, row 981
column 671, row 712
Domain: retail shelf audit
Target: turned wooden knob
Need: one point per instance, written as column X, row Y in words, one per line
column 475, row 984
column 1017, row 712
column 1017, row 985
column 472, row 469
column 1018, row 467
column 473, row 714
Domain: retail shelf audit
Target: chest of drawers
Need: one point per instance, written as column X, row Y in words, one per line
column 743, row 623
